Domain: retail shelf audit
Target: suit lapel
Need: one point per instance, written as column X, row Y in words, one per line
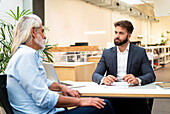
column 130, row 56
column 115, row 60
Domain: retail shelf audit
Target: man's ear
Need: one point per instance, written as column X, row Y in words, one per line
column 129, row 36
column 33, row 32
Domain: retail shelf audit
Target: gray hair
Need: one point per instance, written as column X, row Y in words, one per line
column 22, row 30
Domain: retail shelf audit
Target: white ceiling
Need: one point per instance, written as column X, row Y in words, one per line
column 151, row 7
column 133, row 2
column 145, row 6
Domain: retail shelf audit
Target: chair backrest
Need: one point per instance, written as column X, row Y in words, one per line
column 50, row 72
column 4, row 96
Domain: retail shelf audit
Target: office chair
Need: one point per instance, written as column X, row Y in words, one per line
column 3, row 95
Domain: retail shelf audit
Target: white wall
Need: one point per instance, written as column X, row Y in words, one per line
column 28, row 5
column 6, row 5
column 69, row 19
column 158, row 28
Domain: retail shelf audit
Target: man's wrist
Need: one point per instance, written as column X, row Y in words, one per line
column 61, row 86
column 78, row 101
column 139, row 80
column 101, row 82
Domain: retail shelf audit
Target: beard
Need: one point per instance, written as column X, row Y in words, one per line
column 117, row 43
column 40, row 41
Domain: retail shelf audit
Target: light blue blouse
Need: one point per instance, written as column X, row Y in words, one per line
column 27, row 84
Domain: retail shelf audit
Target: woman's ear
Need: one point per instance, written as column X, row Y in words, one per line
column 33, row 32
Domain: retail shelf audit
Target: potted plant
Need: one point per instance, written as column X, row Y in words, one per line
column 6, row 39
column 165, row 38
column 163, row 42
column 5, row 44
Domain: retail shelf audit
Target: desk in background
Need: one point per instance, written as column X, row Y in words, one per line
column 74, row 71
column 74, row 49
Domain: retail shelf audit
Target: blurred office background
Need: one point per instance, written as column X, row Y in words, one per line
column 89, row 23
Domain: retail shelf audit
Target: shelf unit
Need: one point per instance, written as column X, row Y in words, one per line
column 158, row 55
column 74, row 54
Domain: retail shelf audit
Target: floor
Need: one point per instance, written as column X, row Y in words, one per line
column 162, row 106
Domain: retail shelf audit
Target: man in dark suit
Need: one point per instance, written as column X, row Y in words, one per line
column 125, row 62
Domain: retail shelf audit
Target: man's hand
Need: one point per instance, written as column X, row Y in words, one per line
column 96, row 102
column 67, row 91
column 65, row 101
column 109, row 79
column 131, row 79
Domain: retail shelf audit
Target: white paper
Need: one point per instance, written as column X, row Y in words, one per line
column 120, row 84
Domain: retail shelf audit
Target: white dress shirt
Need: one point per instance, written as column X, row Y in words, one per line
column 122, row 58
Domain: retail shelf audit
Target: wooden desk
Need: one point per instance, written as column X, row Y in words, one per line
column 74, row 49
column 147, row 91
column 74, row 71
column 94, row 59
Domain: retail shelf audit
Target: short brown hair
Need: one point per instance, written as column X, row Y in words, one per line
column 125, row 24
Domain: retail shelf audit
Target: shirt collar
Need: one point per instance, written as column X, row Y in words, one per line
column 127, row 48
column 29, row 48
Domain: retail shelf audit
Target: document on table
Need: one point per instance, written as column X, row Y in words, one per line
column 165, row 85
column 73, row 84
column 118, row 85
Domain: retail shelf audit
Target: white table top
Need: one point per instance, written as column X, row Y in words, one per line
column 149, row 90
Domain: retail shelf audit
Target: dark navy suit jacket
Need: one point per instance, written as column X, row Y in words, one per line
column 138, row 64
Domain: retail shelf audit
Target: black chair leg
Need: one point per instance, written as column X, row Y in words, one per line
column 4, row 96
